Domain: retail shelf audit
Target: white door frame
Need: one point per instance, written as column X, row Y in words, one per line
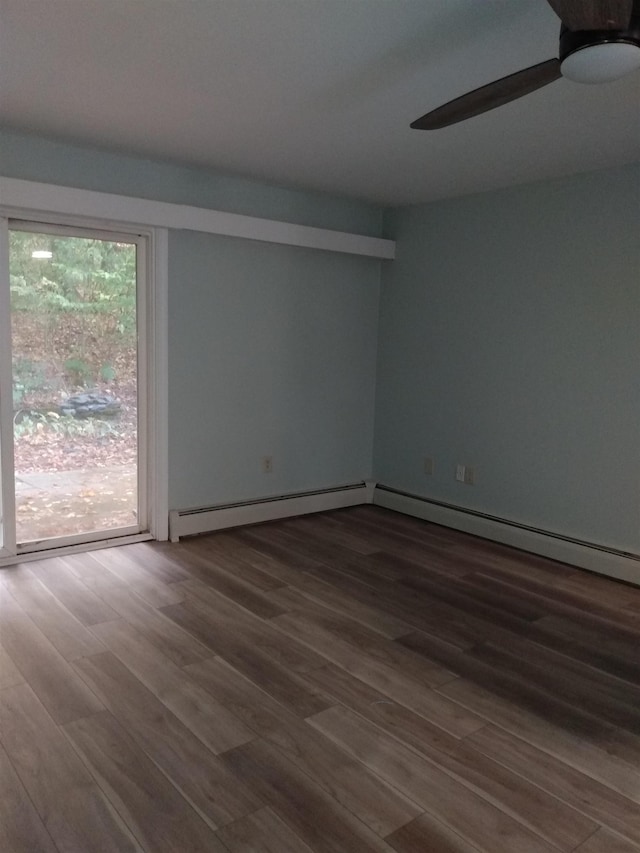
column 7, row 482
column 152, row 306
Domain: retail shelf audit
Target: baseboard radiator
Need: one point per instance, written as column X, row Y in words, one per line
column 188, row 522
column 586, row 555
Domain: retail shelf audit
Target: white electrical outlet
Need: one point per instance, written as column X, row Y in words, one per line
column 428, row 465
column 460, row 473
column 267, row 464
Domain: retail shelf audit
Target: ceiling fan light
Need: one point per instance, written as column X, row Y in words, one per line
column 601, row 63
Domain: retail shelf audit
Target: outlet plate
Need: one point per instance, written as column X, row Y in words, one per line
column 469, row 475
column 427, row 465
column 267, row 464
column 460, row 469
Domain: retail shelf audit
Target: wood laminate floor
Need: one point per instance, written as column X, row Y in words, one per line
column 348, row 682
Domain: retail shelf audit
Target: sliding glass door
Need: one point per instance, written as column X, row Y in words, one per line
column 72, row 385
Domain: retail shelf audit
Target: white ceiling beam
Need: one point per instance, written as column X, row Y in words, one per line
column 50, row 199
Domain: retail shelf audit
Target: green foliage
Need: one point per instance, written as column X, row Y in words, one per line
column 32, row 424
column 107, row 373
column 84, row 275
column 79, row 371
column 28, row 376
column 76, row 310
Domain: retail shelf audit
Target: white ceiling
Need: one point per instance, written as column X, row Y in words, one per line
column 316, row 94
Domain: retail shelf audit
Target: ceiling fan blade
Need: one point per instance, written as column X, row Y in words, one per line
column 491, row 96
column 593, row 14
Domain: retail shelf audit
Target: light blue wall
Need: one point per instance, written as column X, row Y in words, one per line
column 272, row 352
column 35, row 159
column 272, row 349
column 510, row 340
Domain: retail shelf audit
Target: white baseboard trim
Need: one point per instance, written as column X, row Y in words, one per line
column 584, row 555
column 207, row 519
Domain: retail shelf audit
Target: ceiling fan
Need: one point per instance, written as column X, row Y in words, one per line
column 599, row 41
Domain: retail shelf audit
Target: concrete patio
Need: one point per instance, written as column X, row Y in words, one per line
column 65, row 503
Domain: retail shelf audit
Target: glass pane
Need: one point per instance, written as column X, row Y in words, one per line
column 73, row 324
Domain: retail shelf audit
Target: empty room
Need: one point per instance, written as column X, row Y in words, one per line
column 319, row 426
